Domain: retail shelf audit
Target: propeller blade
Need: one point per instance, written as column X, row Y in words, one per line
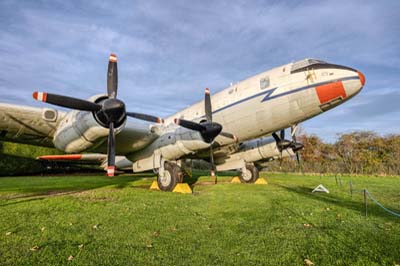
column 112, row 77
column 66, row 101
column 111, row 151
column 212, row 164
column 276, row 137
column 297, row 146
column 145, row 117
column 298, row 158
column 294, row 137
column 207, row 105
column 228, row 135
column 282, row 134
column 190, row 125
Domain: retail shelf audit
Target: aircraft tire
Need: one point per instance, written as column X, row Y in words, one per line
column 173, row 175
column 251, row 174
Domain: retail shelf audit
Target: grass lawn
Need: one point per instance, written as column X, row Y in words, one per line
column 96, row 220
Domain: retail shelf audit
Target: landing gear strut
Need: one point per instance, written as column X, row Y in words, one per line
column 168, row 176
column 249, row 174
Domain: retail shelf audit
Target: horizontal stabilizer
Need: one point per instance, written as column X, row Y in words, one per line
column 121, row 162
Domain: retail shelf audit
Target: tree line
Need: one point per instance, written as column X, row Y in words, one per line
column 359, row 152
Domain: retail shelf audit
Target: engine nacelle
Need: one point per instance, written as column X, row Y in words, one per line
column 252, row 151
column 81, row 130
column 171, row 145
column 256, row 150
column 181, row 142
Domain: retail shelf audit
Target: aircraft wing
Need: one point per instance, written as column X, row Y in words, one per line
column 29, row 125
column 37, row 126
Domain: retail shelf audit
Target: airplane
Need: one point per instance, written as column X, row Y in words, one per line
column 233, row 129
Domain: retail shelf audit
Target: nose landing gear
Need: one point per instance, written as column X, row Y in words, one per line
column 169, row 176
column 249, row 174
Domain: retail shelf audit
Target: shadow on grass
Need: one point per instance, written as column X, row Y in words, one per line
column 203, row 176
column 350, row 204
column 22, row 201
column 25, row 189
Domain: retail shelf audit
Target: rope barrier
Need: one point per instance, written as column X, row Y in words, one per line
column 380, row 205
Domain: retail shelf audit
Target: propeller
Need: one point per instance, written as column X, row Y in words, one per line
column 281, row 142
column 111, row 112
column 296, row 146
column 284, row 144
column 208, row 129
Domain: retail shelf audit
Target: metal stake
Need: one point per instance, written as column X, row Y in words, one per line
column 351, row 188
column 365, row 202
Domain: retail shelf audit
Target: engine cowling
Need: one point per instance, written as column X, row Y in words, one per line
column 81, row 130
column 251, row 151
column 171, row 145
column 260, row 149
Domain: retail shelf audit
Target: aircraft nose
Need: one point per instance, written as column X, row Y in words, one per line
column 354, row 86
column 361, row 77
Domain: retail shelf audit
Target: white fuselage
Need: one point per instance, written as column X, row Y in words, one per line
column 262, row 104
column 249, row 111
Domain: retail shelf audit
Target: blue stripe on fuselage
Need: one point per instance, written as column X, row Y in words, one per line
column 269, row 97
column 270, row 91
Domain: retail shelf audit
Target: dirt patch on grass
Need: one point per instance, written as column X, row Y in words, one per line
column 42, row 194
column 92, row 196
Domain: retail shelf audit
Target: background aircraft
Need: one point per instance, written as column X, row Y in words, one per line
column 228, row 128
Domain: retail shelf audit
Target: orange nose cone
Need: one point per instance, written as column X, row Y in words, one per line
column 362, row 77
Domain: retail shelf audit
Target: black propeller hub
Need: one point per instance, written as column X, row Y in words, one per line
column 296, row 146
column 114, row 110
column 211, row 131
column 283, row 144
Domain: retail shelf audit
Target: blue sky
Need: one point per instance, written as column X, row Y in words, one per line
column 169, row 51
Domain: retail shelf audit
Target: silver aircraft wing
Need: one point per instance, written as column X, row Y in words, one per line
column 30, row 125
column 37, row 126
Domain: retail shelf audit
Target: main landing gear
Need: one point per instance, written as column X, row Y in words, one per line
column 171, row 174
column 249, row 174
column 168, row 176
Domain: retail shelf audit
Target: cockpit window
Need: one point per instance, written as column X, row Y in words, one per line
column 305, row 64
